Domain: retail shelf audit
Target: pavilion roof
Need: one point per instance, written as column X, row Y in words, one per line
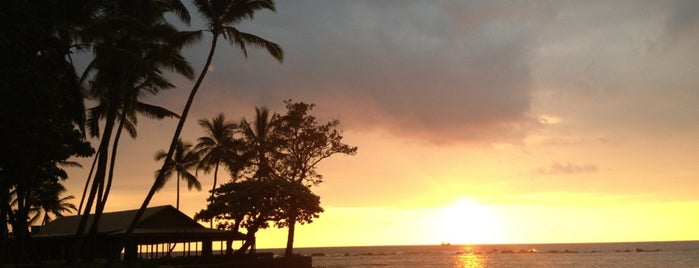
column 156, row 221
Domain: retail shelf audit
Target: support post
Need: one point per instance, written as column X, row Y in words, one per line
column 131, row 251
column 207, row 247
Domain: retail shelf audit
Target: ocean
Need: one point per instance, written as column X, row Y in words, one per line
column 641, row 254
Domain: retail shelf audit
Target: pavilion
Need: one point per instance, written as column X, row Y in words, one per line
column 159, row 229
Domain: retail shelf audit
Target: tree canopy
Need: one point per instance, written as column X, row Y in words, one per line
column 257, row 204
column 279, row 160
column 41, row 113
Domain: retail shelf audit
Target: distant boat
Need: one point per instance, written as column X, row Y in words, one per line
column 445, row 244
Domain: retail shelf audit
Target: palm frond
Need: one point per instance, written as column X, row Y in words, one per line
column 93, row 117
column 250, row 39
column 205, row 143
column 180, row 10
column 70, row 164
column 180, row 65
column 192, row 181
column 130, row 127
column 204, row 9
column 160, row 183
column 160, row 155
column 154, row 111
column 187, row 38
column 245, row 9
column 207, row 125
column 34, row 219
column 152, row 83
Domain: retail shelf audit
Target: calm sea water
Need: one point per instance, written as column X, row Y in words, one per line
column 645, row 254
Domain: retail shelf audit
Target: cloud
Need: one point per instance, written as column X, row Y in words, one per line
column 449, row 71
column 413, row 69
column 620, row 69
column 557, row 168
column 683, row 18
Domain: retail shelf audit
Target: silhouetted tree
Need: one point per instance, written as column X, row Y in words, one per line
column 304, row 143
column 184, row 160
column 260, row 139
column 132, row 43
column 283, row 152
column 255, row 204
column 45, row 199
column 41, row 112
column 216, row 146
column 221, row 16
column 249, row 146
column 48, row 201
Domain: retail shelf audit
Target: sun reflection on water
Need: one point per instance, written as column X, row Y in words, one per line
column 470, row 259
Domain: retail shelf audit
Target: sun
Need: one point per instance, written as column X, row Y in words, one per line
column 467, row 222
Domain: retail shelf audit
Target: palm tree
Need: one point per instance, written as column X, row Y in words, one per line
column 57, row 208
column 259, row 138
column 132, row 43
column 45, row 200
column 184, row 160
column 221, row 16
column 140, row 74
column 50, row 203
column 40, row 90
column 127, row 120
column 217, row 145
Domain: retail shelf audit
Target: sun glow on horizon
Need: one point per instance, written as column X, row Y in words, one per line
column 467, row 222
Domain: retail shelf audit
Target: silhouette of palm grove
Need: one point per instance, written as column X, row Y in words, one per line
column 132, row 47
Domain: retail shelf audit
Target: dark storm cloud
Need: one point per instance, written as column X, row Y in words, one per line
column 442, row 71
column 411, row 67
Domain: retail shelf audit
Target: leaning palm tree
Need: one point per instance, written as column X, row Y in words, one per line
column 132, row 44
column 131, row 107
column 222, row 16
column 184, row 160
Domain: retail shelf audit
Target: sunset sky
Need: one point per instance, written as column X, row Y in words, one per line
column 476, row 121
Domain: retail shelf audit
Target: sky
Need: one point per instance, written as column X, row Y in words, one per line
column 476, row 121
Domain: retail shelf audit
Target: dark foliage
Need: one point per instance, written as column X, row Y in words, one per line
column 41, row 111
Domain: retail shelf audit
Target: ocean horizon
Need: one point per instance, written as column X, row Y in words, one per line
column 606, row 254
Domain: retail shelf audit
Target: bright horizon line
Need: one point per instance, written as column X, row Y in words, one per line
column 491, row 244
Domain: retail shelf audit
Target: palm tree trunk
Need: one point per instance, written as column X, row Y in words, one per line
column 101, row 202
column 211, row 223
column 175, row 137
column 117, row 137
column 178, row 191
column 21, row 226
column 215, row 178
column 87, row 183
column 96, row 184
